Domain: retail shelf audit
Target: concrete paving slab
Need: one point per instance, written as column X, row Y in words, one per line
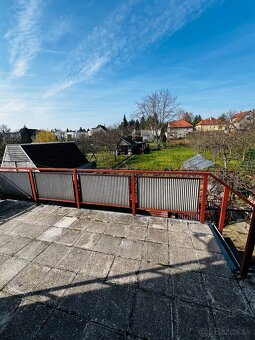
column 115, row 229
column 108, row 244
column 205, row 242
column 132, row 249
column 155, row 278
column 65, row 222
column 213, row 264
column 10, row 268
column 193, row 321
column 178, row 226
column 50, row 234
column 97, row 227
column 157, row 235
column 75, row 260
column 179, row 239
column 8, row 305
column 81, row 296
column 199, row 228
column 152, row 317
column 37, row 314
column 3, row 258
column 155, row 252
column 97, row 331
column 134, row 232
column 157, row 223
column 50, row 219
column 98, row 265
column 15, row 245
column 52, row 255
column 189, row 286
column 87, row 240
column 4, row 238
column 32, row 250
column 27, row 280
column 53, row 286
column 34, row 231
column 62, row 326
column 232, row 326
column 68, row 237
column 124, row 271
column 113, row 307
column 183, row 259
column 226, row 294
column 80, row 224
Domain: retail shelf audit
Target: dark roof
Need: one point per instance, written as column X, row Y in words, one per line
column 55, row 155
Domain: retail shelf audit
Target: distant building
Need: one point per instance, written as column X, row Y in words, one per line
column 98, row 129
column 178, row 129
column 149, row 135
column 243, row 120
column 45, row 155
column 210, row 124
column 127, row 146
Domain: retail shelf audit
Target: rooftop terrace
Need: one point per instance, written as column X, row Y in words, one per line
column 68, row 273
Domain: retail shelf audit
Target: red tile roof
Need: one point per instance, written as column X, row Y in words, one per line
column 181, row 123
column 239, row 116
column 210, row 121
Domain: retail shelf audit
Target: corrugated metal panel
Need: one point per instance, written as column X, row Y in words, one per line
column 172, row 194
column 113, row 190
column 197, row 162
column 15, row 184
column 55, row 185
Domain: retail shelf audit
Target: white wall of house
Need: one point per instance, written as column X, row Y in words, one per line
column 177, row 133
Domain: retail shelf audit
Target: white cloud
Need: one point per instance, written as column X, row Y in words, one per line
column 24, row 36
column 127, row 31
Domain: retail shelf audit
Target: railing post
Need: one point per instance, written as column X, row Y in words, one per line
column 32, row 183
column 133, row 194
column 203, row 199
column 223, row 210
column 76, row 190
column 249, row 247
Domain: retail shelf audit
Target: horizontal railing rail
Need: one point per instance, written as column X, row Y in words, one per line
column 178, row 192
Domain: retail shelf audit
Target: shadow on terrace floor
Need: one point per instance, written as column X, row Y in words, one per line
column 189, row 300
column 11, row 208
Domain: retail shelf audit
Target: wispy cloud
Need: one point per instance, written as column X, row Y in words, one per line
column 127, row 31
column 24, row 36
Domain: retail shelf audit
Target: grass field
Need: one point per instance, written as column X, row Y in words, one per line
column 171, row 158
column 106, row 160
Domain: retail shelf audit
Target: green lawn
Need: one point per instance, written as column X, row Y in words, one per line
column 106, row 160
column 171, row 158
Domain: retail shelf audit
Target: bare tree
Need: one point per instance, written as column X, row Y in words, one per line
column 157, row 109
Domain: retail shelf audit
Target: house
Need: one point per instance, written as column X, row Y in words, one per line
column 149, row 135
column 243, row 119
column 127, row 146
column 98, row 129
column 45, row 155
column 211, row 124
column 178, row 129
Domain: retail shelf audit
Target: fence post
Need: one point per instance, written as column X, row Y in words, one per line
column 249, row 247
column 32, row 183
column 203, row 200
column 223, row 210
column 133, row 194
column 76, row 189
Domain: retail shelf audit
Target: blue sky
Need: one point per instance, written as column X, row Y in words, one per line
column 86, row 62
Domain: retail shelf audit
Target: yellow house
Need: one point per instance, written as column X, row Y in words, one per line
column 210, row 124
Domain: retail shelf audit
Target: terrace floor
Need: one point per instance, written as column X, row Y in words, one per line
column 81, row 274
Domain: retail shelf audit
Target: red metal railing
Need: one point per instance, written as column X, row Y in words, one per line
column 133, row 175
